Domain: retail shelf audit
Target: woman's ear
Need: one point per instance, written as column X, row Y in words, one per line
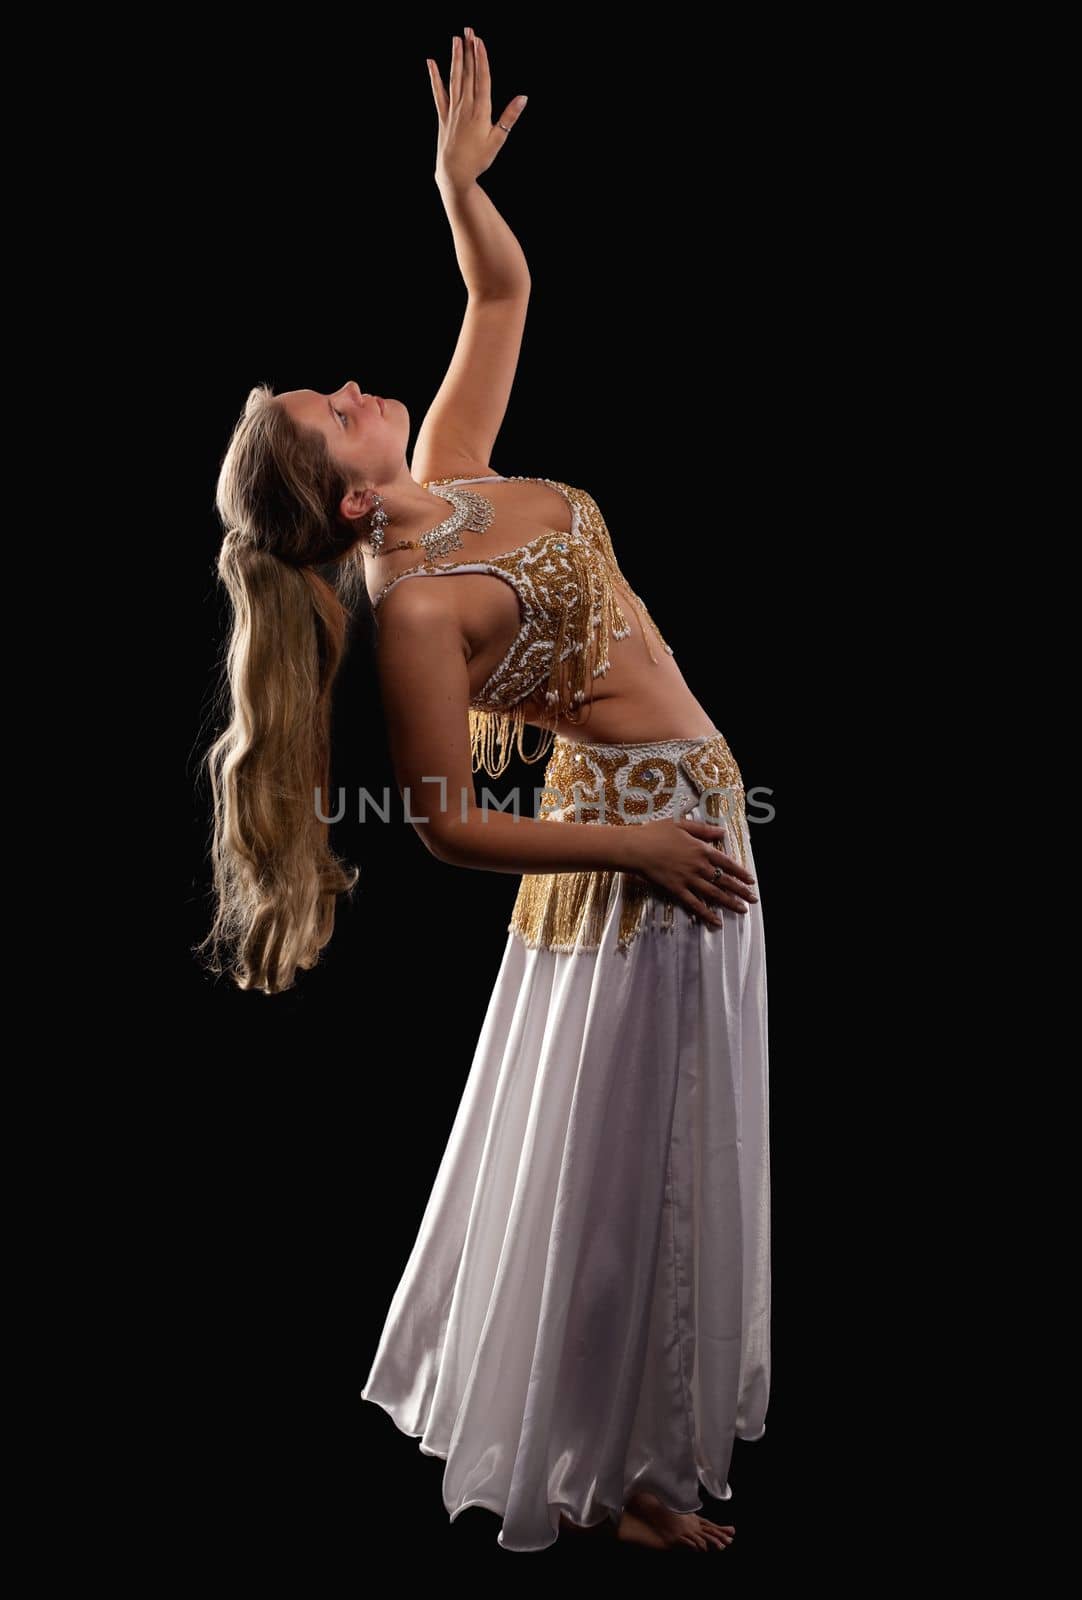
column 358, row 504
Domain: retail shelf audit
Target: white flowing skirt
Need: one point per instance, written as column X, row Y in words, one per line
column 586, row 1307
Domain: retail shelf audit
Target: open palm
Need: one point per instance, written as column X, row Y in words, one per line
column 468, row 141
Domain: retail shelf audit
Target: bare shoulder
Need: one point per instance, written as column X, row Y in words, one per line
column 420, row 629
column 421, row 659
column 418, row 602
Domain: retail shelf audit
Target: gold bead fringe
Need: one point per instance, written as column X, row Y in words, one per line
column 495, row 736
column 582, row 598
column 567, row 911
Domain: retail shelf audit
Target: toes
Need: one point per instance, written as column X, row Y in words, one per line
column 719, row 1535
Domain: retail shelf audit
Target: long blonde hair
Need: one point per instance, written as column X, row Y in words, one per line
column 275, row 877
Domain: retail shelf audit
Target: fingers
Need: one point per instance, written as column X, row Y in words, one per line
column 468, row 57
column 733, row 895
column 454, row 77
column 718, row 858
column 716, row 837
column 701, row 908
column 703, row 830
column 706, row 899
column 439, row 93
column 482, row 88
column 726, row 890
column 510, row 114
column 482, row 78
column 735, row 879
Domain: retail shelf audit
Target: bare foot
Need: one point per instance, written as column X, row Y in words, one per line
column 633, row 1530
column 646, row 1520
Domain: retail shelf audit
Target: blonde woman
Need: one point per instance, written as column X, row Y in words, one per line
column 582, row 1328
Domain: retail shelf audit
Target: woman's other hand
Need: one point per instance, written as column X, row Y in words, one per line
column 682, row 858
column 468, row 141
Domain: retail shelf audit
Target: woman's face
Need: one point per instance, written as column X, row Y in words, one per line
column 367, row 435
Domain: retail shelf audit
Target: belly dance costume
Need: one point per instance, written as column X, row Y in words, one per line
column 586, row 1306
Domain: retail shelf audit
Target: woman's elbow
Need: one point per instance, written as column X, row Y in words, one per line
column 454, row 841
column 442, row 840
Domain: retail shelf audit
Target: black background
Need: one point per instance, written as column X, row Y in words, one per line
column 685, row 362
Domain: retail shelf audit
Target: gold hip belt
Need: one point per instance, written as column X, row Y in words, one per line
column 611, row 783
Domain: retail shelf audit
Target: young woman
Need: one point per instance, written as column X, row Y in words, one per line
column 582, row 1328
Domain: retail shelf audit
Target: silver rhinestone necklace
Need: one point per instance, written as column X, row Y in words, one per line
column 471, row 511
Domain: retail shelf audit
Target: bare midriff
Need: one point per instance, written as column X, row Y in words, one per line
column 637, row 701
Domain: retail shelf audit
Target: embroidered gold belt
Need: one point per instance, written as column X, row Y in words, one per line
column 598, row 783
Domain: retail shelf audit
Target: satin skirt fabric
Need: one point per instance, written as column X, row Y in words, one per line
column 586, row 1307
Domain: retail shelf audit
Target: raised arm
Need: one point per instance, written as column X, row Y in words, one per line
column 457, row 435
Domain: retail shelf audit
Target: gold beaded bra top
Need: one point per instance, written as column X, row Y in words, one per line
column 569, row 611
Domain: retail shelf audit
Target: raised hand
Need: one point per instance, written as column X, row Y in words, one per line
column 468, row 141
